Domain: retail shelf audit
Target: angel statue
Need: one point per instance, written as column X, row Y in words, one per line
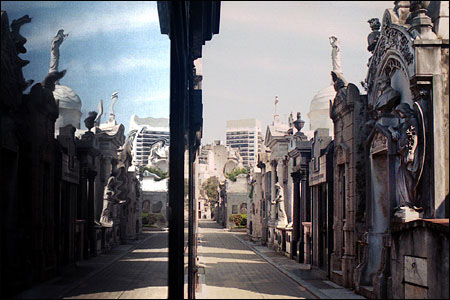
column 54, row 53
column 114, row 98
column 411, row 155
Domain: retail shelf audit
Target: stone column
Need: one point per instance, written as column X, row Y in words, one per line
column 296, row 215
column 303, row 199
column 272, row 220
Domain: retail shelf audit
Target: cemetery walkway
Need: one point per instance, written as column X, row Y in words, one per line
column 234, row 268
column 140, row 274
column 235, row 271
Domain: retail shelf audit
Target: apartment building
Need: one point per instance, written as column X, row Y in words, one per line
column 245, row 136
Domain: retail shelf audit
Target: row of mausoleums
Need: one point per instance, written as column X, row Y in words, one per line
column 369, row 207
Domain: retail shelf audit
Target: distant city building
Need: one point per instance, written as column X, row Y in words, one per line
column 245, row 135
column 150, row 130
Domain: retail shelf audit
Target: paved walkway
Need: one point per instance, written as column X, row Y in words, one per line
column 300, row 273
column 233, row 270
column 137, row 270
column 235, row 267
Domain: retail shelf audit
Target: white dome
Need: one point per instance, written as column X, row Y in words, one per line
column 319, row 110
column 69, row 107
column 322, row 99
column 67, row 97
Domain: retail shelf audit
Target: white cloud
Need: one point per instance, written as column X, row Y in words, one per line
column 125, row 64
column 82, row 26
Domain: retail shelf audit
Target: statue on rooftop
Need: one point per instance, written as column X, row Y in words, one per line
column 90, row 120
column 374, row 36
column 54, row 54
column 335, row 54
column 114, row 98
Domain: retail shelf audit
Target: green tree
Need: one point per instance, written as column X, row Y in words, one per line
column 236, row 171
column 210, row 188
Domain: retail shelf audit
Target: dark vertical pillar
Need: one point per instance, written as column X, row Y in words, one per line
column 296, row 215
column 304, row 195
column 191, row 205
column 191, row 257
column 177, row 146
column 91, row 210
column 82, row 213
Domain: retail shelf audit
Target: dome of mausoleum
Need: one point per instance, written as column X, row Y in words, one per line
column 69, row 107
column 67, row 97
column 319, row 110
column 321, row 99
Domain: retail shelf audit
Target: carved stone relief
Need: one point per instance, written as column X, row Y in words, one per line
column 379, row 143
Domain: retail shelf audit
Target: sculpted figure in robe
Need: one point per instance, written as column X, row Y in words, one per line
column 54, row 54
column 279, row 200
column 108, row 202
column 335, row 54
column 409, row 169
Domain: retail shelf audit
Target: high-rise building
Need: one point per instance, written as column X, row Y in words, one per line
column 149, row 131
column 245, row 135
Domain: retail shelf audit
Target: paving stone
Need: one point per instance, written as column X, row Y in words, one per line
column 234, row 271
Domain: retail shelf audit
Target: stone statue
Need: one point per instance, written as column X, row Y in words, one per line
column 411, row 161
column 159, row 156
column 114, row 98
column 339, row 81
column 54, row 54
column 279, row 200
column 373, row 37
column 335, row 54
column 387, row 97
column 108, row 201
column 90, row 120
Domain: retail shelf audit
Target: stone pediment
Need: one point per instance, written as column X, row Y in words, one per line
column 276, row 133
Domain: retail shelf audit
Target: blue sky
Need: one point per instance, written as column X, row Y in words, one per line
column 112, row 46
column 263, row 49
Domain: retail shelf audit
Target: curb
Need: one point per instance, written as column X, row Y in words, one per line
column 313, row 290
